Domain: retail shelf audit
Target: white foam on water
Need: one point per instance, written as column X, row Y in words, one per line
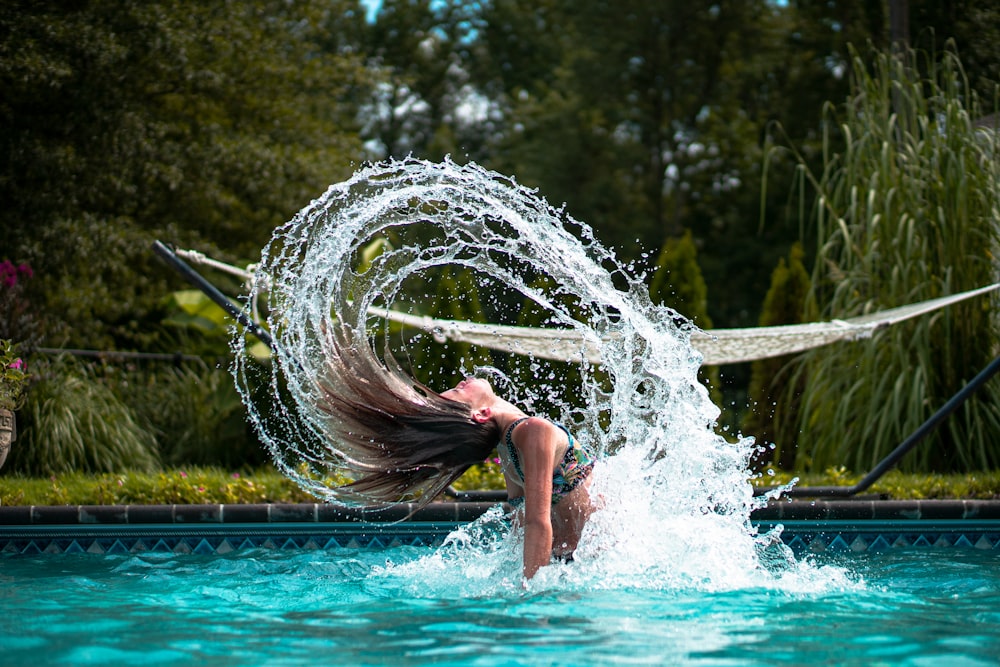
column 675, row 496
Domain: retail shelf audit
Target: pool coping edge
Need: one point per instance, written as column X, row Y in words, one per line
column 319, row 513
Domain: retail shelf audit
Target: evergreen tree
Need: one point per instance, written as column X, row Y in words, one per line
column 784, row 304
column 678, row 283
column 441, row 364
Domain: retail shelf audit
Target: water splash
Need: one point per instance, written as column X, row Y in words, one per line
column 676, row 496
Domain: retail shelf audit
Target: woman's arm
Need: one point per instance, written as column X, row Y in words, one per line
column 536, row 441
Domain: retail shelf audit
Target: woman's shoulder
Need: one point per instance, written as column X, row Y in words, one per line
column 536, row 427
column 530, row 423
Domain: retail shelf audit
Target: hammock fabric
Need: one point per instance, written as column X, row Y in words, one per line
column 717, row 346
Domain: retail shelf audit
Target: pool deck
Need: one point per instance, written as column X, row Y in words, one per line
column 807, row 526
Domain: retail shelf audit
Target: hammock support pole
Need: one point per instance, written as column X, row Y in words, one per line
column 212, row 292
column 895, row 455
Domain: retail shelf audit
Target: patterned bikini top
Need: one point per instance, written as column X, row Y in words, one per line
column 571, row 471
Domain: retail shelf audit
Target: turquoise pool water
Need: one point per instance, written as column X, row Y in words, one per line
column 356, row 607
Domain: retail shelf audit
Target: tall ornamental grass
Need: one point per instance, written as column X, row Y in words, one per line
column 107, row 418
column 74, row 423
column 907, row 209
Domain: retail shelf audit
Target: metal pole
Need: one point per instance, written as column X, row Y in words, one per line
column 212, row 292
column 928, row 426
column 895, row 455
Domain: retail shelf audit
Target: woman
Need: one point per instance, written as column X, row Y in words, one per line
column 547, row 473
column 404, row 441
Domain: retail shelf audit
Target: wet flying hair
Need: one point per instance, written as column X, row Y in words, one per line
column 399, row 440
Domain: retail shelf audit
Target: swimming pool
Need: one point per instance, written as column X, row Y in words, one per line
column 669, row 568
column 346, row 606
column 293, row 589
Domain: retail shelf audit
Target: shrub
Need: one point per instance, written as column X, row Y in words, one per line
column 678, row 283
column 174, row 487
column 784, row 304
column 194, row 412
column 72, row 421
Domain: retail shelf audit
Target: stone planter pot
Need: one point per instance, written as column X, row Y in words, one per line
column 8, row 433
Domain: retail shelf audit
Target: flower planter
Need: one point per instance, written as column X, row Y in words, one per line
column 8, row 433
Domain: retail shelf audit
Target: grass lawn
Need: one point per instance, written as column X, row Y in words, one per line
column 266, row 485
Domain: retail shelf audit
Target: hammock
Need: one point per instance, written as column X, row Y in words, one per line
column 727, row 346
column 717, row 346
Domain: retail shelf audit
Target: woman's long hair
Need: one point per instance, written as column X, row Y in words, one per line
column 399, row 439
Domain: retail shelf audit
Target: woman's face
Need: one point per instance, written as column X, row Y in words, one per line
column 474, row 392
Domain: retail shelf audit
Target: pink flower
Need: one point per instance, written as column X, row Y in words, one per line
column 17, row 365
column 9, row 273
column 183, row 475
column 236, row 475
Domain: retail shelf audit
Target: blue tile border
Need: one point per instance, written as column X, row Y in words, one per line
column 808, row 526
column 840, row 536
column 209, row 539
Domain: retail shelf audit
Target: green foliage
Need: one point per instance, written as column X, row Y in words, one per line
column 558, row 383
column 18, row 320
column 108, row 418
column 188, row 485
column 456, row 297
column 897, row 485
column 416, row 95
column 72, row 422
column 483, row 476
column 265, row 485
column 13, row 377
column 784, row 304
column 193, row 411
column 202, row 124
column 905, row 211
column 208, row 124
column 193, row 312
column 203, row 325
column 129, row 487
column 678, row 283
column 619, row 110
column 99, row 280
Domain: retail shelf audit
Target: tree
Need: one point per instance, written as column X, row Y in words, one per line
column 201, row 124
column 784, row 304
column 419, row 99
column 677, row 283
column 456, row 297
